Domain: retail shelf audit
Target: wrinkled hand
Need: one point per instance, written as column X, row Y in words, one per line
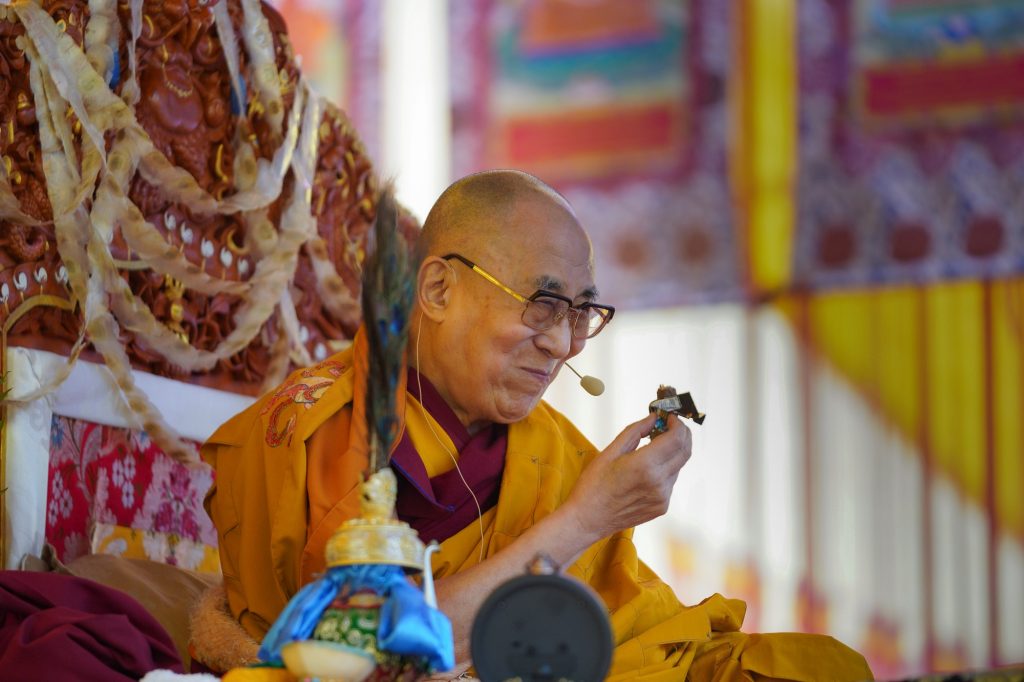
column 624, row 486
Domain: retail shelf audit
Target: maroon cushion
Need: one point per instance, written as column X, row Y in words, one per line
column 59, row 627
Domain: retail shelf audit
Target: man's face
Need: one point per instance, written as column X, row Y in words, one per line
column 495, row 367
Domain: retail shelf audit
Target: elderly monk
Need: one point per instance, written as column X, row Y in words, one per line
column 505, row 295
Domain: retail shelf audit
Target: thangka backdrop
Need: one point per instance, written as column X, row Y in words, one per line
column 911, row 140
column 619, row 104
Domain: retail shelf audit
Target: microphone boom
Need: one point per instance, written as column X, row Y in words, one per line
column 591, row 385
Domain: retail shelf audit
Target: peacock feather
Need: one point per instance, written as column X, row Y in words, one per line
column 387, row 297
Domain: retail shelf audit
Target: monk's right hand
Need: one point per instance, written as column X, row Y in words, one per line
column 624, row 485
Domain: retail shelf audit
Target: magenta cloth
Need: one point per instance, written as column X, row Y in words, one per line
column 60, row 627
column 441, row 506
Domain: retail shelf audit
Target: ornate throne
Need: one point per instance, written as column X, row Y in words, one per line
column 182, row 221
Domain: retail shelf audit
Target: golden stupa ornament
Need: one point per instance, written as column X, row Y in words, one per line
column 376, row 537
column 346, row 642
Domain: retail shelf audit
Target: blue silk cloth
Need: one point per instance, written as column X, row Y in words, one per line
column 408, row 626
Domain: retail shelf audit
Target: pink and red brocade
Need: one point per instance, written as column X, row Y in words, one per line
column 117, row 477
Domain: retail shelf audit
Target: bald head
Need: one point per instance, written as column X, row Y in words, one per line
column 484, row 211
column 516, row 237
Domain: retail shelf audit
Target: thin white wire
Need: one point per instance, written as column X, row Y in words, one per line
column 429, row 420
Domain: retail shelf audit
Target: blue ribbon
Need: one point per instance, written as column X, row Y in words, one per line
column 408, row 626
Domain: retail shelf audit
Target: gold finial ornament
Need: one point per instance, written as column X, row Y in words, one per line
column 376, row 537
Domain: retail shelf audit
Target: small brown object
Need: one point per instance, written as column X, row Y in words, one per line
column 668, row 403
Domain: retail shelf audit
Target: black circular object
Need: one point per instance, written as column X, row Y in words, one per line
column 542, row 628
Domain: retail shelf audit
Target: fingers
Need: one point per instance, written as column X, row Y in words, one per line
column 672, row 448
column 685, row 436
column 627, row 486
column 629, row 438
column 678, row 428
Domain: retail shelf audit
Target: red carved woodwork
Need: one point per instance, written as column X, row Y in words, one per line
column 185, row 107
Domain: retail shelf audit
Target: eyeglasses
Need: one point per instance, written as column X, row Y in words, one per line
column 544, row 309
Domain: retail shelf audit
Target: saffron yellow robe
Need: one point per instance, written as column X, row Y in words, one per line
column 273, row 517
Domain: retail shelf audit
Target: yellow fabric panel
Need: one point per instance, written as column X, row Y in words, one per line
column 897, row 348
column 766, row 157
column 874, row 337
column 771, row 241
column 1008, row 391
column 841, row 324
column 166, row 548
column 956, row 384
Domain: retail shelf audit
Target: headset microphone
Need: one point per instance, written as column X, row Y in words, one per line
column 591, row 385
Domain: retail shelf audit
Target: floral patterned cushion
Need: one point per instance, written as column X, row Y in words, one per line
column 111, row 490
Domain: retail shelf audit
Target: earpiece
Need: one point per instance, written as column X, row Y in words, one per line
column 591, row 385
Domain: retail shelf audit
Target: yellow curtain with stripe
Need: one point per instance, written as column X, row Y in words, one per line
column 942, row 363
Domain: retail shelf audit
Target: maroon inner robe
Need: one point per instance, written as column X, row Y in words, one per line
column 441, row 506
